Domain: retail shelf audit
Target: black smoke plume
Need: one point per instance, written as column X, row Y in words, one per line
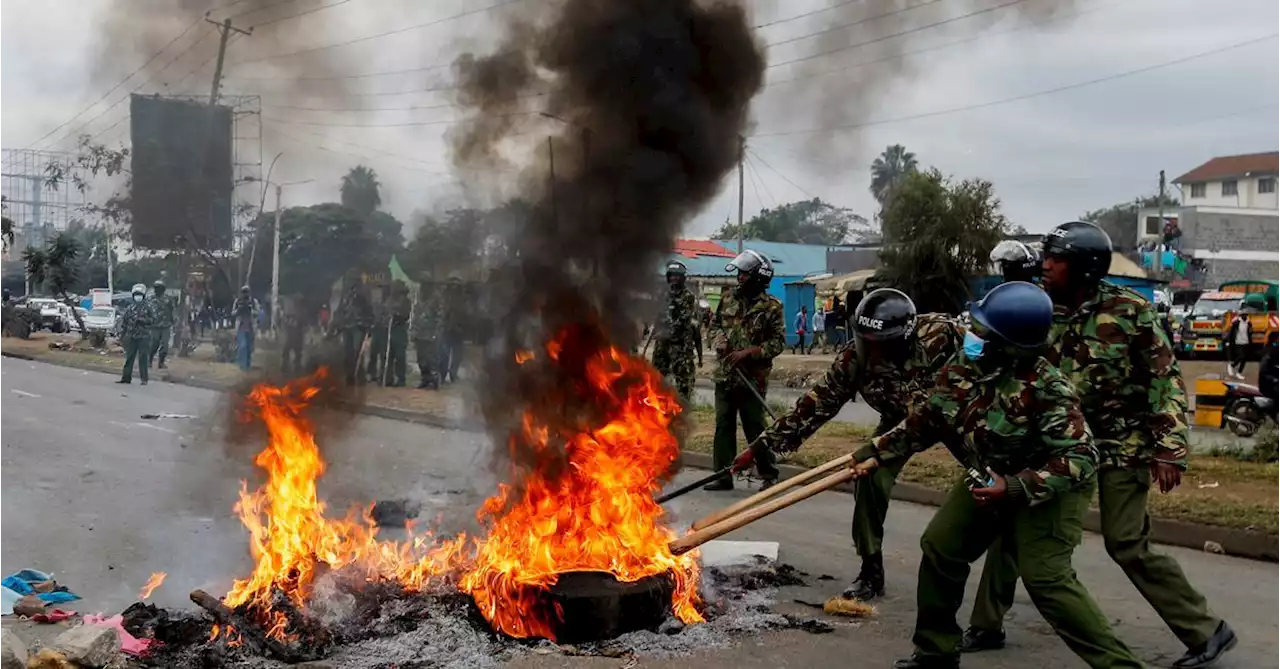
column 645, row 102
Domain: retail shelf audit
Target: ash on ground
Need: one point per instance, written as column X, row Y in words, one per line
column 444, row 630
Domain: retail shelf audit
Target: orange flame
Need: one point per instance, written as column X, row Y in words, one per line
column 596, row 514
column 152, row 583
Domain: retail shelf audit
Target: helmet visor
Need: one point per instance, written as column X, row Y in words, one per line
column 747, row 261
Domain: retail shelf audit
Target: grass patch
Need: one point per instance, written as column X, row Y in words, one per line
column 1244, row 497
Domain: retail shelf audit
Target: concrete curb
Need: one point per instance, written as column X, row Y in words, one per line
column 1238, row 543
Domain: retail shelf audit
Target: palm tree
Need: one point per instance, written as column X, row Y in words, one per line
column 888, row 169
column 57, row 269
column 360, row 190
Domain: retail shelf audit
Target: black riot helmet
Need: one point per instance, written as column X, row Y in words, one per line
column 1017, row 261
column 676, row 272
column 756, row 268
column 884, row 314
column 1085, row 247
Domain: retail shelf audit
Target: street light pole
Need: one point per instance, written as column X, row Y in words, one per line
column 275, row 264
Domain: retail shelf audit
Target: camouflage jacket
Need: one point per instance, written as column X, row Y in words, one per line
column 1121, row 361
column 1024, row 424
column 398, row 308
column 427, row 321
column 161, row 311
column 740, row 324
column 354, row 311
column 679, row 324
column 889, row 388
column 136, row 319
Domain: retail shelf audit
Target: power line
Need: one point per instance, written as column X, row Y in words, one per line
column 408, row 124
column 939, row 47
column 388, row 33
column 760, row 177
column 444, row 105
column 392, row 154
column 883, row 38
column 333, row 77
column 859, row 22
column 801, row 16
column 313, row 10
column 1025, row 96
column 757, row 156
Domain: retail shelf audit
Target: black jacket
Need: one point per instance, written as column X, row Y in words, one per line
column 1267, row 372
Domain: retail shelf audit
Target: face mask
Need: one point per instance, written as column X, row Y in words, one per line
column 973, row 345
column 137, row 297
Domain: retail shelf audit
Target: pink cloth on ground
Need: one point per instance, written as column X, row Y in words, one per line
column 128, row 642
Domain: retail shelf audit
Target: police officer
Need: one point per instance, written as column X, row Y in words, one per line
column 135, row 332
column 1014, row 422
column 1017, row 261
column 747, row 333
column 895, row 357
column 161, row 324
column 293, row 326
column 453, row 331
column 1108, row 342
column 352, row 319
column 426, row 334
column 379, row 337
column 678, row 341
column 399, row 311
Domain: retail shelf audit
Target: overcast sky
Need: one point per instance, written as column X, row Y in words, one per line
column 1051, row 156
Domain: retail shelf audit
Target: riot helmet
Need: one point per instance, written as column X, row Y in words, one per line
column 1014, row 316
column 882, row 323
column 676, row 272
column 1016, row 260
column 158, row 285
column 754, row 270
column 1086, row 250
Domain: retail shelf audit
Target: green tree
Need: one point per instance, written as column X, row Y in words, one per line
column 1120, row 221
column 56, row 268
column 888, row 170
column 937, row 237
column 361, row 190
column 802, row 222
column 451, row 242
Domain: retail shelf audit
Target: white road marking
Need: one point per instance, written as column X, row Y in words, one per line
column 157, row 427
column 23, row 393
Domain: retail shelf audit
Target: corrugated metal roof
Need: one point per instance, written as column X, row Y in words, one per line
column 1226, row 167
column 797, row 259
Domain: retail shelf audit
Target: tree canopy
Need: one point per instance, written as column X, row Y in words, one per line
column 802, row 222
column 361, row 191
column 937, row 238
column 889, row 169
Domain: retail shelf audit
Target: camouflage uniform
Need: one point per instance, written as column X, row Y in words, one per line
column 399, row 309
column 378, row 340
column 162, row 313
column 426, row 332
column 1116, row 353
column 352, row 319
column 293, row 328
column 454, row 315
column 1025, row 424
column 678, row 341
column 741, row 323
column 135, row 333
column 889, row 389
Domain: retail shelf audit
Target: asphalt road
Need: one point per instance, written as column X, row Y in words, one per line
column 102, row 498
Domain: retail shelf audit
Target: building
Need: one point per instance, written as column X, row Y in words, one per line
column 1228, row 222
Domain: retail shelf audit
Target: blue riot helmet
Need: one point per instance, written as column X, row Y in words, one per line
column 1015, row 316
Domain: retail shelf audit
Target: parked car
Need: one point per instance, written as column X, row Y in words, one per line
column 101, row 319
column 69, row 318
column 51, row 315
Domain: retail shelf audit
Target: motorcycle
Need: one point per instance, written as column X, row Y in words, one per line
column 1246, row 409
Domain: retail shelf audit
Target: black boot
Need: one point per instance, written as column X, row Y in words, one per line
column 1223, row 640
column 976, row 640
column 917, row 661
column 719, row 486
column 870, row 582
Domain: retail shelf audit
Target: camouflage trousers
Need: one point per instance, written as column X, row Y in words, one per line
column 159, row 344
column 676, row 364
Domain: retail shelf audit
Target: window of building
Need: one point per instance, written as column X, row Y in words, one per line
column 1153, row 225
column 1229, row 189
column 1197, row 190
column 1267, row 185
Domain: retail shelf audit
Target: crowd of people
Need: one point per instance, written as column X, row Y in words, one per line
column 1054, row 385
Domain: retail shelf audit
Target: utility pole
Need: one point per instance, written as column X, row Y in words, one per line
column 551, row 160
column 224, row 29
column 742, row 151
column 111, row 284
column 275, row 264
column 1160, row 214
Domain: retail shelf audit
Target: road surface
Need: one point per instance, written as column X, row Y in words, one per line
column 102, row 498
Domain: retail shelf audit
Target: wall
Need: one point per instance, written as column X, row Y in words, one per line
column 1235, row 244
column 1152, row 212
column 1247, row 195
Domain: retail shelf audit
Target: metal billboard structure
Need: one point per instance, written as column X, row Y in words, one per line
column 38, row 209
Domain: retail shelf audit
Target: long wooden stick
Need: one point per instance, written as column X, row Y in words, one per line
column 770, row 493
column 250, row 634
column 697, row 538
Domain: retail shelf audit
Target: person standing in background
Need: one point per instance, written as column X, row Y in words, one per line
column 243, row 312
column 1238, row 338
column 801, row 326
column 162, row 308
column 135, row 332
column 829, row 325
column 819, row 325
column 293, row 326
column 399, row 310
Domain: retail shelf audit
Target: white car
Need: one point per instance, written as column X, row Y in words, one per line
column 101, row 319
column 51, row 315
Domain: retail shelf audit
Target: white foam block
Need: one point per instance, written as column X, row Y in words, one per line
column 728, row 553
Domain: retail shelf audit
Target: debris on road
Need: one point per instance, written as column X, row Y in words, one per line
column 36, row 583
column 847, row 606
column 1208, row 485
column 1213, row 547
column 53, row 616
column 88, row 645
column 13, row 652
column 394, row 512
column 158, row 416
